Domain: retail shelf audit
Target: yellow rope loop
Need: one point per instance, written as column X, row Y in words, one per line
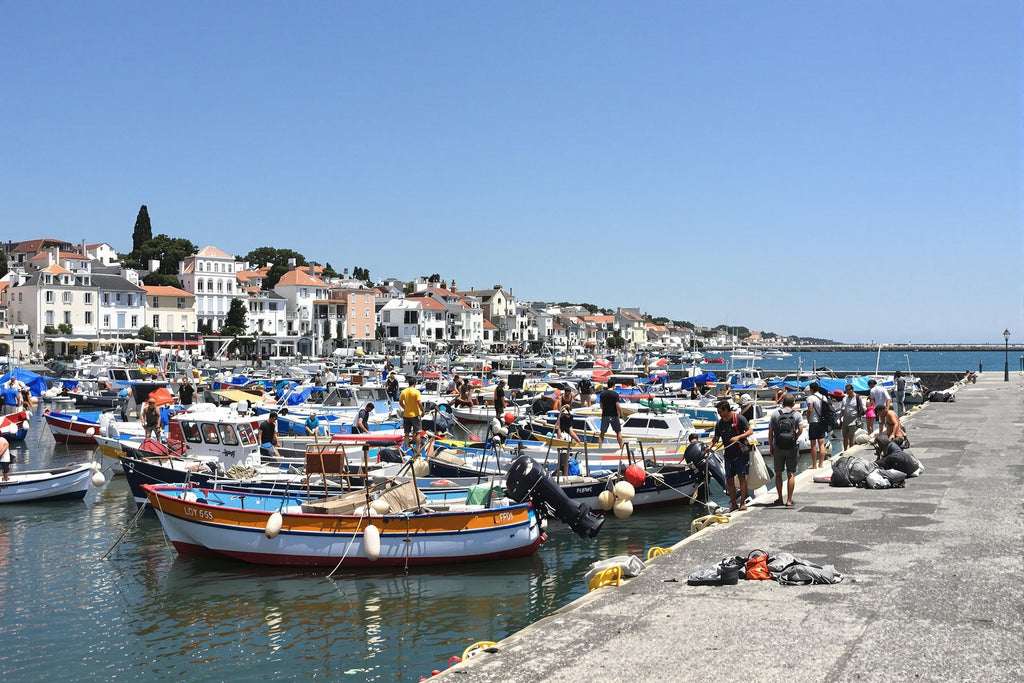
column 476, row 648
column 657, row 551
column 612, row 576
column 702, row 523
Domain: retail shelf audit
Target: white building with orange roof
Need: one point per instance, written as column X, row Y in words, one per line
column 300, row 289
column 211, row 275
column 464, row 317
column 169, row 309
column 47, row 294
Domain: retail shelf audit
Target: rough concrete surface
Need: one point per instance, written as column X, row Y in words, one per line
column 933, row 589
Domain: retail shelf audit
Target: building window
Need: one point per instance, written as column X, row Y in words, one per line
column 88, row 317
column 199, row 266
column 135, row 321
column 88, row 297
column 66, row 297
column 199, row 285
column 49, row 297
column 367, row 331
column 106, row 321
column 67, row 317
column 156, row 322
column 106, row 298
column 49, row 317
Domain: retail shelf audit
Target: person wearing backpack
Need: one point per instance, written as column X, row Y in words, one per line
column 734, row 431
column 818, row 409
column 784, row 431
column 851, row 410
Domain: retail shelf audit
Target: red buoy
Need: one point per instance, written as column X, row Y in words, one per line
column 636, row 475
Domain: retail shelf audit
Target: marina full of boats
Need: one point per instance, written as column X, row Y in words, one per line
column 332, row 495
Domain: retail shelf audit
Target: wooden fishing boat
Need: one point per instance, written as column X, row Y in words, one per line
column 288, row 530
column 59, row 483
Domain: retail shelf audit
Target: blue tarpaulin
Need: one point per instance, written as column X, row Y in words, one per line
column 703, row 378
column 36, row 383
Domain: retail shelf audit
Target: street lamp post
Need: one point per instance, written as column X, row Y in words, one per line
column 1006, row 356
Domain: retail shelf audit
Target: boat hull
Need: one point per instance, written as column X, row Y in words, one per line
column 61, row 483
column 314, row 540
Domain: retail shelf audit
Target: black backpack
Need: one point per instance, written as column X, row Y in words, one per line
column 586, row 386
column 785, row 431
column 826, row 412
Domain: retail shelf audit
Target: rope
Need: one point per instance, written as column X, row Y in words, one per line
column 348, row 547
column 131, row 523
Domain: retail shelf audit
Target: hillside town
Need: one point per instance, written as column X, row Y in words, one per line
column 59, row 298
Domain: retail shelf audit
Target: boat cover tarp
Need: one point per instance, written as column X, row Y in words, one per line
column 36, row 383
column 703, row 378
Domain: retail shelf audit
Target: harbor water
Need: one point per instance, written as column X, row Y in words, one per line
column 80, row 602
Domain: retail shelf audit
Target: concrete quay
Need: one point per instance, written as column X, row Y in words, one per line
column 933, row 589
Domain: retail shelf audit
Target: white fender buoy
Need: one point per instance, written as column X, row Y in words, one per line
column 274, row 525
column 623, row 508
column 91, row 431
column 380, row 506
column 189, row 497
column 25, row 425
column 861, row 437
column 371, row 542
column 624, row 491
column 495, row 424
column 606, row 500
column 98, row 479
column 420, row 467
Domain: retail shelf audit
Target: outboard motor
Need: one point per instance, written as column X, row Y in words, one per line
column 528, row 480
column 704, row 462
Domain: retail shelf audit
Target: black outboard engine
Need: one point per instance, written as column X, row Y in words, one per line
column 526, row 480
column 705, row 462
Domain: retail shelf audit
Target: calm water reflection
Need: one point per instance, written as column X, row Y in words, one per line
column 142, row 612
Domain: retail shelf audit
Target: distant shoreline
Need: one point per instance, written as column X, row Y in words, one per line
column 871, row 347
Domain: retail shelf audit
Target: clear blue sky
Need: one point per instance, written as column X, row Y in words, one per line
column 767, row 164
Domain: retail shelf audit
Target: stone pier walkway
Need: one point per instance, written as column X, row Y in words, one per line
column 934, row 585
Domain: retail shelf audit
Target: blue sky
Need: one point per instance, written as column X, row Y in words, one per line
column 849, row 170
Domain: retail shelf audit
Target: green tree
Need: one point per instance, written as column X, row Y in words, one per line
column 360, row 273
column 234, row 321
column 340, row 329
column 616, row 342
column 143, row 231
column 3, row 266
column 168, row 250
column 278, row 260
column 329, row 270
column 591, row 308
column 65, row 328
column 49, row 329
column 146, row 332
column 434, row 278
column 327, row 331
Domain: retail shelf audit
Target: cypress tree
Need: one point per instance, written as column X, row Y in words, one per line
column 143, row 230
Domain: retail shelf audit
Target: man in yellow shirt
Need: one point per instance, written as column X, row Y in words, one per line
column 412, row 413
